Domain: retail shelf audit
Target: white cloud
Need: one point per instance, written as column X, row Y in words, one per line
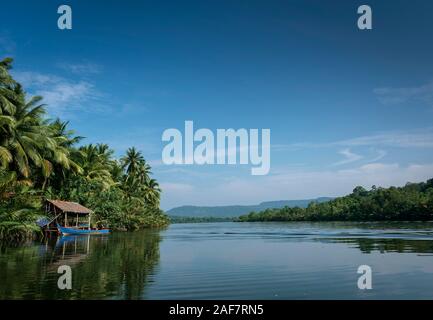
column 308, row 182
column 294, row 184
column 349, row 157
column 62, row 96
column 393, row 96
column 380, row 155
column 35, row 79
column 419, row 138
column 63, row 93
column 339, row 182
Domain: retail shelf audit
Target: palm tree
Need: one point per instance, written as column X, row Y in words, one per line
column 152, row 193
column 96, row 163
column 23, row 135
column 26, row 141
column 18, row 224
column 137, row 174
column 116, row 171
column 132, row 161
column 65, row 140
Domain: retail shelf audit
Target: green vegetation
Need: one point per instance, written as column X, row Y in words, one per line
column 413, row 202
column 123, row 264
column 40, row 158
column 177, row 219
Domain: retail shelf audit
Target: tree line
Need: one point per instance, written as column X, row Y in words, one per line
column 42, row 158
column 413, row 202
column 183, row 219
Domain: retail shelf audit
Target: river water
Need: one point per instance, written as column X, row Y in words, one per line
column 228, row 261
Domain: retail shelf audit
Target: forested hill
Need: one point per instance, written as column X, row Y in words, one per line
column 237, row 210
column 412, row 202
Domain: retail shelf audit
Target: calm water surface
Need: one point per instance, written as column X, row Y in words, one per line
column 228, row 261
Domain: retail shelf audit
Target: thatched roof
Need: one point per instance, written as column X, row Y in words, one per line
column 72, row 207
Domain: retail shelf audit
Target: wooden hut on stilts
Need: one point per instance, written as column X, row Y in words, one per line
column 69, row 218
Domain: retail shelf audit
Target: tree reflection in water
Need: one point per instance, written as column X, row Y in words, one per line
column 125, row 265
column 369, row 245
column 115, row 266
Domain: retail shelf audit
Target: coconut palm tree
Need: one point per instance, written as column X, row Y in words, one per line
column 132, row 161
column 96, row 163
column 152, row 193
column 26, row 141
column 65, row 141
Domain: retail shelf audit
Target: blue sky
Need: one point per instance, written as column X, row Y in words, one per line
column 345, row 107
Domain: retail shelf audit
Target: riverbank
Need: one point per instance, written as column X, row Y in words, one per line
column 412, row 202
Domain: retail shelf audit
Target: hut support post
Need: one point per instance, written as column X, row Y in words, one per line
column 66, row 219
column 90, row 217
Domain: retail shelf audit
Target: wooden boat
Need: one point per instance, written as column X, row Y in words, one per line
column 78, row 231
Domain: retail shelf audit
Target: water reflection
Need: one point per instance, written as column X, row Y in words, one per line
column 368, row 245
column 227, row 261
column 114, row 266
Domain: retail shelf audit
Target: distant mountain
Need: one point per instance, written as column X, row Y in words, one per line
column 235, row 211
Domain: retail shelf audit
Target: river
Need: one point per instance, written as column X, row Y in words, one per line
column 228, row 261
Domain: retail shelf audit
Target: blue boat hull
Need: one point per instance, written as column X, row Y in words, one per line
column 67, row 231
